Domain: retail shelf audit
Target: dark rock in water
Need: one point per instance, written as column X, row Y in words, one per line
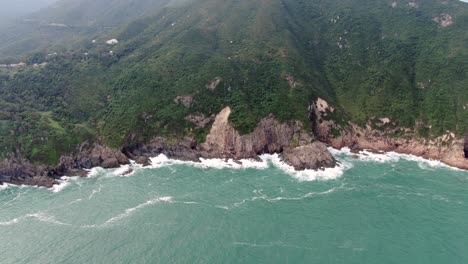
column 309, row 157
column 126, row 172
column 145, row 161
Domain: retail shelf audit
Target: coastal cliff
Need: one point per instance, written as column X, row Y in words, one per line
column 379, row 136
column 298, row 147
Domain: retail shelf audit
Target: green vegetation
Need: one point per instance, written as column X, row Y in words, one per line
column 367, row 58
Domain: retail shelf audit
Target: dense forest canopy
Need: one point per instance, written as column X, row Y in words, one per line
column 403, row 60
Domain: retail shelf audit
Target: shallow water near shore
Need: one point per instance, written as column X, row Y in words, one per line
column 381, row 208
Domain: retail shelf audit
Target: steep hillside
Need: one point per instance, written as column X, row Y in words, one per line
column 67, row 24
column 177, row 64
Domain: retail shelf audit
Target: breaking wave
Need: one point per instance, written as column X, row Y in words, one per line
column 40, row 216
column 391, row 157
column 130, row 211
column 266, row 160
column 63, row 183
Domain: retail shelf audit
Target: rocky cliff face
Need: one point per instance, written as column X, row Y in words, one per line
column 271, row 136
column 22, row 172
column 87, row 157
column 448, row 148
column 298, row 147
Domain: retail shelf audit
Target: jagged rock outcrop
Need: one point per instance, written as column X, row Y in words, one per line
column 447, row 148
column 22, row 172
column 182, row 150
column 88, row 157
column 224, row 141
column 270, row 136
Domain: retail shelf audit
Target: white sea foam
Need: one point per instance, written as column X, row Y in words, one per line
column 124, row 171
column 130, row 211
column 43, row 217
column 309, row 175
column 95, row 192
column 263, row 163
column 63, row 183
column 40, row 216
column 163, row 161
column 4, row 186
column 260, row 196
column 392, row 157
column 95, row 172
column 230, row 163
column 10, row 222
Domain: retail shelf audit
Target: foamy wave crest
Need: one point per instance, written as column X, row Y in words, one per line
column 391, row 157
column 40, row 216
column 427, row 163
column 162, row 161
column 263, row 163
column 124, row 171
column 230, row 163
column 95, row 192
column 309, row 175
column 261, row 196
column 46, row 218
column 10, row 222
column 130, row 211
column 95, row 172
column 4, row 186
column 63, row 183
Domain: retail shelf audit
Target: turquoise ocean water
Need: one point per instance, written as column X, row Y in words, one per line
column 378, row 209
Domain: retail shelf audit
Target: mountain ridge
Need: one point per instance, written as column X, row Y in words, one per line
column 175, row 68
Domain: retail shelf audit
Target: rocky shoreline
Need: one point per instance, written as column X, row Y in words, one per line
column 298, row 147
column 447, row 148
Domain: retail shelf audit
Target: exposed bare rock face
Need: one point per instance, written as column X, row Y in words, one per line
column 270, row 136
column 184, row 149
column 444, row 20
column 22, row 172
column 185, row 100
column 89, row 157
column 214, row 83
column 447, row 148
column 200, row 120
